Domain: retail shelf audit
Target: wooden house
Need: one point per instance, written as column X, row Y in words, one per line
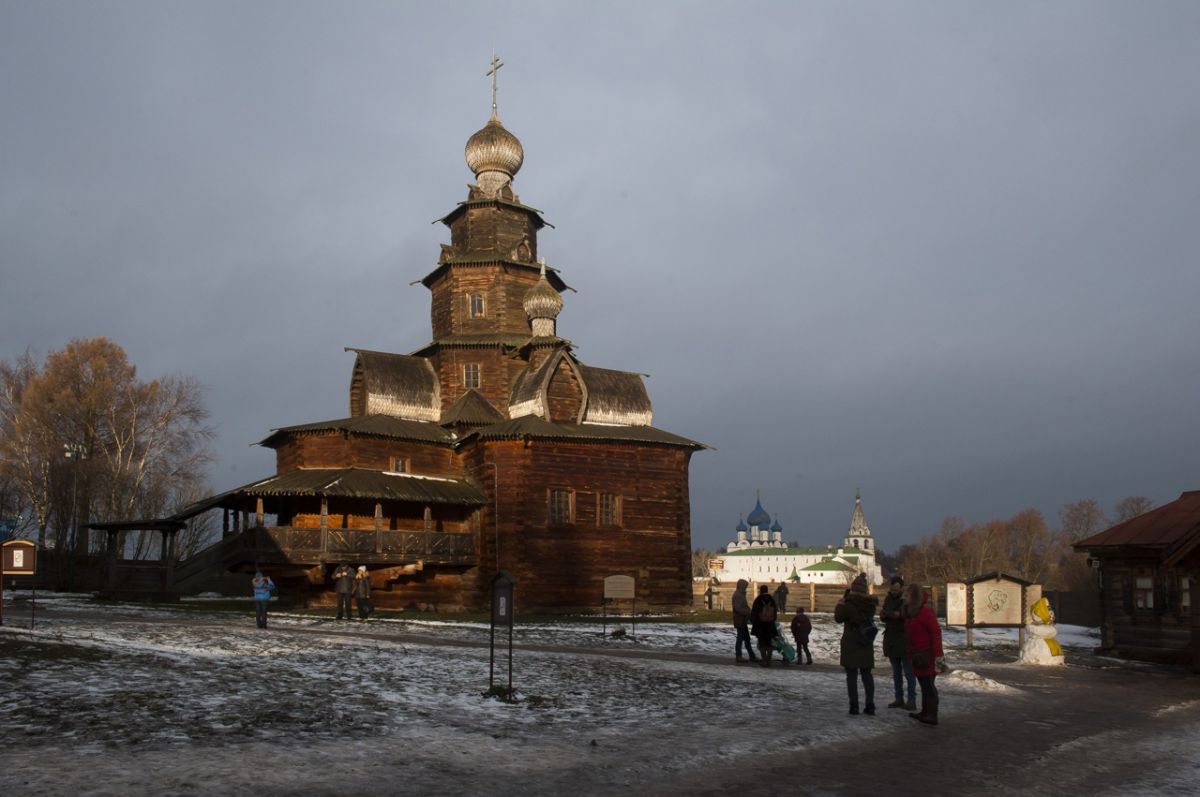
column 492, row 447
column 1149, row 578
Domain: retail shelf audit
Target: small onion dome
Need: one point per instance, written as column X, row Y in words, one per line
column 775, row 526
column 542, row 301
column 759, row 516
column 494, row 149
column 741, row 526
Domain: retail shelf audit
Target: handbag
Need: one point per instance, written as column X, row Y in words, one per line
column 866, row 632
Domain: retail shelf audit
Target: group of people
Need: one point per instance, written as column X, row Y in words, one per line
column 912, row 640
column 347, row 583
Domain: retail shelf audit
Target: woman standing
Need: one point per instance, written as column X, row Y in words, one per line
column 924, row 637
column 855, row 609
column 362, row 592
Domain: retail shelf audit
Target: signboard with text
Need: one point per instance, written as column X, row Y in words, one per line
column 19, row 558
column 619, row 587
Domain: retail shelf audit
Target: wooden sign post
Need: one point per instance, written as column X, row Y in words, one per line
column 502, row 615
column 621, row 588
column 18, row 558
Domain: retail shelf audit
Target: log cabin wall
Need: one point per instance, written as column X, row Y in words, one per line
column 564, row 566
column 503, row 288
column 1159, row 632
column 564, row 394
column 495, row 374
column 335, row 449
column 495, row 230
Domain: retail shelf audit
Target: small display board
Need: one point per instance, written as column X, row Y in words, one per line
column 956, row 604
column 619, row 587
column 19, row 558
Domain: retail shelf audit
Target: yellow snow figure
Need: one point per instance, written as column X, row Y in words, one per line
column 1041, row 610
column 1055, row 648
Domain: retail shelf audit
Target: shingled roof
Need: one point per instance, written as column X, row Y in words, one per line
column 471, row 409
column 1167, row 526
column 363, row 483
column 394, row 384
column 533, row 427
column 368, row 425
column 616, row 397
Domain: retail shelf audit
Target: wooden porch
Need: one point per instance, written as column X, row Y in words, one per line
column 313, row 546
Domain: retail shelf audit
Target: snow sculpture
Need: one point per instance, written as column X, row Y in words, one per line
column 1041, row 643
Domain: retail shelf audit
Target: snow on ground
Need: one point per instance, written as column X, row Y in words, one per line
column 148, row 699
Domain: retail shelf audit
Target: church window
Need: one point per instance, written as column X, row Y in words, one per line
column 1185, row 595
column 428, row 519
column 471, row 375
column 562, row 507
column 1143, row 592
column 476, row 305
column 609, row 511
column 398, row 465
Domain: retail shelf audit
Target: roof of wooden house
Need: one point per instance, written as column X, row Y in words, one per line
column 471, row 409
column 394, row 384
column 616, row 397
column 368, row 425
column 1167, row 526
column 533, row 427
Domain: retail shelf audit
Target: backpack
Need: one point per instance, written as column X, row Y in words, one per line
column 767, row 613
column 865, row 633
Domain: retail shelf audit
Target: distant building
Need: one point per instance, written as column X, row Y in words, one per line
column 759, row 553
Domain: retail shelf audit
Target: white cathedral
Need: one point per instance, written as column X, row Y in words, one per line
column 759, row 553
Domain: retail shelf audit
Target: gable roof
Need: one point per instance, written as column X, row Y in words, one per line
column 473, row 409
column 1169, row 525
column 394, row 384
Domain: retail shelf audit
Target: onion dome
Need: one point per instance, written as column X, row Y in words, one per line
column 759, row 516
column 543, row 304
column 775, row 526
column 494, row 155
column 741, row 526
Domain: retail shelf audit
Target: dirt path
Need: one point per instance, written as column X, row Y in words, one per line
column 1075, row 730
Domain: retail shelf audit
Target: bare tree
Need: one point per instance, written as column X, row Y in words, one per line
column 700, row 558
column 135, row 444
column 1130, row 507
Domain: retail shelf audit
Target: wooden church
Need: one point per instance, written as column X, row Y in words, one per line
column 492, row 447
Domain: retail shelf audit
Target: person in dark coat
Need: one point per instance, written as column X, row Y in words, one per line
column 801, row 628
column 343, row 583
column 762, row 623
column 924, row 637
column 781, row 596
column 741, row 621
column 858, row 658
column 896, row 648
column 362, row 592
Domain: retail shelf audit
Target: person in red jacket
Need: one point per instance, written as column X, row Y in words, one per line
column 924, row 637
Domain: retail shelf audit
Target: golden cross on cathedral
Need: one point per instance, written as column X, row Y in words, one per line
column 496, row 64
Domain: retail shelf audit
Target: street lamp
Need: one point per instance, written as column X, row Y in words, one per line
column 75, row 453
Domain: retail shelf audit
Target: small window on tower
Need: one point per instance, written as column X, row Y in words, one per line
column 398, row 465
column 428, row 519
column 562, row 507
column 471, row 375
column 609, row 513
column 476, row 305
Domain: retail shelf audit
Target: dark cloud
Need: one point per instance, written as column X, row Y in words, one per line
column 943, row 252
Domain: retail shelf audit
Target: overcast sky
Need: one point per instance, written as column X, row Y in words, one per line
column 944, row 252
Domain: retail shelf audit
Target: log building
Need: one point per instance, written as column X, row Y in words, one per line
column 492, row 447
column 1148, row 571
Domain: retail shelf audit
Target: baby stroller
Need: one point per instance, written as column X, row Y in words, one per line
column 783, row 646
